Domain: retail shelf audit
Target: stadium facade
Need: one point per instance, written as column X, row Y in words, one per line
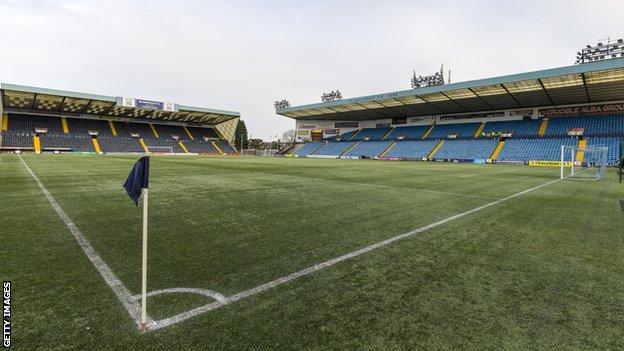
column 516, row 118
column 48, row 120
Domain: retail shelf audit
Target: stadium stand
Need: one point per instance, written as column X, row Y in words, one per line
column 370, row 134
column 308, row 148
column 534, row 149
column 412, row 149
column 466, row 149
column 518, row 128
column 464, row 130
column 368, row 149
column 608, row 125
column 334, row 148
column 408, row 133
column 78, row 138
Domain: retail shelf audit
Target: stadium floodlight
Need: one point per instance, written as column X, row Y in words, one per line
column 281, row 104
column 426, row 81
column 600, row 51
column 583, row 163
column 331, row 96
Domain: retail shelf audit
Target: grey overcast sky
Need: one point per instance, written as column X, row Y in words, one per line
column 244, row 55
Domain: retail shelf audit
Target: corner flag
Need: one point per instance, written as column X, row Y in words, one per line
column 137, row 184
column 138, row 179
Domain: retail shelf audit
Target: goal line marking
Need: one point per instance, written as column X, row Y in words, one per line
column 123, row 294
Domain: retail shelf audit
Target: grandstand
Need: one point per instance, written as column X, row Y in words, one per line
column 516, row 118
column 44, row 120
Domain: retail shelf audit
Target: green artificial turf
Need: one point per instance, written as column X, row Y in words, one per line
column 540, row 271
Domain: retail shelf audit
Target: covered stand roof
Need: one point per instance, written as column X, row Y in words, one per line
column 25, row 99
column 600, row 81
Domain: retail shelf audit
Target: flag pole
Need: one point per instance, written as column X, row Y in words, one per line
column 144, row 265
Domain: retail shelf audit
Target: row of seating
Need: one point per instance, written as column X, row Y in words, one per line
column 519, row 149
column 602, row 125
column 22, row 129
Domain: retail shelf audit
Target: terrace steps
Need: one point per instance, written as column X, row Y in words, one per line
column 354, row 134
column 112, row 127
column 188, row 132
column 387, row 149
column 154, row 131
column 427, row 132
column 318, row 149
column 64, row 125
column 497, row 150
column 580, row 153
column 143, row 145
column 435, row 149
column 479, row 130
column 96, row 145
column 183, row 147
column 349, row 149
column 543, row 126
column 217, row 147
column 387, row 133
column 37, row 144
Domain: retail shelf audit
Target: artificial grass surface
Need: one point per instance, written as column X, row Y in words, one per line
column 543, row 270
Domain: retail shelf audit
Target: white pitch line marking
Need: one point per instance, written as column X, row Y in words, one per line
column 123, row 294
column 293, row 276
column 204, row 292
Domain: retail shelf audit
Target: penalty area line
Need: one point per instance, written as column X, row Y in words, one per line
column 123, row 294
column 317, row 267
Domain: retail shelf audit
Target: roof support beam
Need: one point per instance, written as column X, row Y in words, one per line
column 455, row 102
column 32, row 106
column 545, row 91
column 430, row 104
column 61, row 104
column 411, row 107
column 480, row 98
column 513, row 97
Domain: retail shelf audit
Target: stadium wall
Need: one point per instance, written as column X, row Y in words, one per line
column 338, row 127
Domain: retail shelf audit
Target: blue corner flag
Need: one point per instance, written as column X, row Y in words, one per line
column 138, row 179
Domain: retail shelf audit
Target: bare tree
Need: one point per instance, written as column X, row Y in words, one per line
column 289, row 136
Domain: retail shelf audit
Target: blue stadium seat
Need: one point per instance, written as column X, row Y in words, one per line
column 334, row 148
column 519, row 128
column 412, row 149
column 465, row 130
column 534, row 149
column 408, row 133
column 469, row 149
column 368, row 149
column 607, row 125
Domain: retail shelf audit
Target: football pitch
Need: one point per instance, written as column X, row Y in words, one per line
column 275, row 253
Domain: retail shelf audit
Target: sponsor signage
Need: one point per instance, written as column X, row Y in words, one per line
column 147, row 104
column 332, row 131
column 506, row 134
column 382, row 125
column 307, row 126
column 583, row 110
column 544, row 163
column 400, row 120
column 453, row 135
column 303, row 132
column 346, row 125
column 576, row 131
